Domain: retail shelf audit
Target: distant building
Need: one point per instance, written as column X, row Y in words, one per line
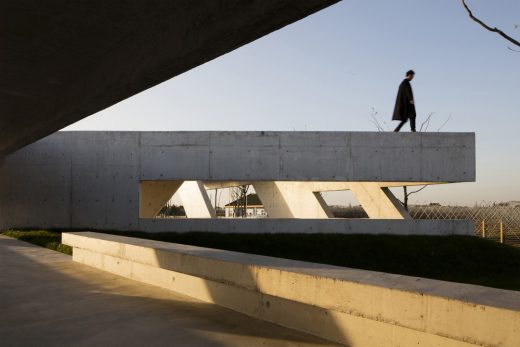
column 254, row 209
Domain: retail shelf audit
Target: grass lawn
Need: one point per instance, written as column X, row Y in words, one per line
column 452, row 258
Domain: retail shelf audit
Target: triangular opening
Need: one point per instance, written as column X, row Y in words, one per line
column 343, row 204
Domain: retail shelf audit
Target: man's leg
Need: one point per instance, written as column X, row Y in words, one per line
column 400, row 125
column 412, row 124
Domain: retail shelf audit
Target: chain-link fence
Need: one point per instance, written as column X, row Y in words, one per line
column 499, row 222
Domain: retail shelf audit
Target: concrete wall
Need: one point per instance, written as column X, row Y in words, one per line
column 90, row 180
column 348, row 306
column 333, row 225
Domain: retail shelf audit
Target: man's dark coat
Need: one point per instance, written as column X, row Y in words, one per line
column 403, row 109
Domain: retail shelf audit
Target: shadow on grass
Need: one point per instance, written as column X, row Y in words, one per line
column 464, row 259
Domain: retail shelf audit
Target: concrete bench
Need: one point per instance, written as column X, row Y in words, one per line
column 349, row 306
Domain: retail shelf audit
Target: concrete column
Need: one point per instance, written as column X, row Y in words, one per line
column 153, row 195
column 291, row 200
column 378, row 202
column 195, row 200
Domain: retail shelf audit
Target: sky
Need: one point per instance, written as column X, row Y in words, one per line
column 333, row 69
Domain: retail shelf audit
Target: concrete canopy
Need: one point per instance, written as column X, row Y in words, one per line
column 61, row 61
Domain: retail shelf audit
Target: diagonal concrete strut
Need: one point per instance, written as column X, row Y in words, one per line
column 378, row 202
column 291, row 200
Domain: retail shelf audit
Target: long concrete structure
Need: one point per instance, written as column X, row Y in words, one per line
column 120, row 180
column 62, row 61
column 348, row 306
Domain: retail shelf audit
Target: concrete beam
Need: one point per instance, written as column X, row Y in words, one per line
column 305, row 226
column 291, row 200
column 195, row 200
column 318, row 186
column 378, row 202
column 336, row 186
column 309, row 156
column 222, row 185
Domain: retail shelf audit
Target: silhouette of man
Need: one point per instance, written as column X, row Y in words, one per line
column 404, row 104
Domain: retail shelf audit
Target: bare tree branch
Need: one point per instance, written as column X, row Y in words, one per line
column 417, row 191
column 377, row 126
column 443, row 124
column 375, row 120
column 487, row 27
column 406, row 196
column 426, row 122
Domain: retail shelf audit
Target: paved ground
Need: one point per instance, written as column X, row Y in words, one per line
column 48, row 300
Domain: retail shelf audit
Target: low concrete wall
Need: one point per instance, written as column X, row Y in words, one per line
column 336, row 225
column 90, row 180
column 348, row 306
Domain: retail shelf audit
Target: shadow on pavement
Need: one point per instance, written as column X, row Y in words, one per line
column 46, row 299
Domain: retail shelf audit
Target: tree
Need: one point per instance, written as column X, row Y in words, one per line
column 239, row 195
column 406, row 195
column 487, row 27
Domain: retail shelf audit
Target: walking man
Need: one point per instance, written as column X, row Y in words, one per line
column 404, row 104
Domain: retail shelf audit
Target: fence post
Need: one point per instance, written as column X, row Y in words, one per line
column 501, row 232
column 483, row 229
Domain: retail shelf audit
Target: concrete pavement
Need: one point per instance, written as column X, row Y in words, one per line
column 47, row 300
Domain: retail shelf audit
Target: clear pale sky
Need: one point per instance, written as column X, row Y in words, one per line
column 327, row 72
